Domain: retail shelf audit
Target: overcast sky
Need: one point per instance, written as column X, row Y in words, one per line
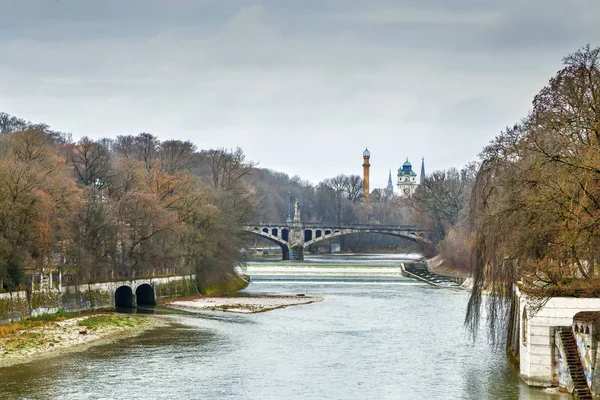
column 303, row 86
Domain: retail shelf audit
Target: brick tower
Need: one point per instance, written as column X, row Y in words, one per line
column 366, row 166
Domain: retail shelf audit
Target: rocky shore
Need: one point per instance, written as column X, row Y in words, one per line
column 73, row 334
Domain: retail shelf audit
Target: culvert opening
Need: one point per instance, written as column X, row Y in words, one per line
column 124, row 297
column 145, row 295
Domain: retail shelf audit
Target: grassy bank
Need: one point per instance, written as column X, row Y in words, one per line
column 53, row 334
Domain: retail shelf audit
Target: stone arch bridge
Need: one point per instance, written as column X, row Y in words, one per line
column 295, row 237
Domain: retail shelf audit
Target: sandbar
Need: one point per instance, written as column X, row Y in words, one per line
column 245, row 304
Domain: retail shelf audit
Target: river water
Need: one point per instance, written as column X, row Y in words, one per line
column 376, row 335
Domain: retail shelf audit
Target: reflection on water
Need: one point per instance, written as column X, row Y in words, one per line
column 398, row 339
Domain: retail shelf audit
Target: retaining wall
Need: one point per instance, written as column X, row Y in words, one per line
column 18, row 305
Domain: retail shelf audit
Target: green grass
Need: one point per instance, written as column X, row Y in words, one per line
column 98, row 321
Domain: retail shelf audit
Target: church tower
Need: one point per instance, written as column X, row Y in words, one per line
column 422, row 177
column 366, row 166
column 390, row 186
column 407, row 179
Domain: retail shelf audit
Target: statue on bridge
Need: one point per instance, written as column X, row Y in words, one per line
column 297, row 212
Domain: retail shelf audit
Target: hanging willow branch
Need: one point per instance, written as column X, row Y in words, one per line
column 534, row 208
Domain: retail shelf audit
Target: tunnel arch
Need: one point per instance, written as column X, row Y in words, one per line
column 124, row 297
column 144, row 295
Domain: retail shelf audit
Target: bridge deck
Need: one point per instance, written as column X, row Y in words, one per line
column 316, row 225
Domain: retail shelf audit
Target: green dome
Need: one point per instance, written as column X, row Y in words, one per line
column 406, row 169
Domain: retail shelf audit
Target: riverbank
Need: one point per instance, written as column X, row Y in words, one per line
column 245, row 304
column 54, row 334
column 30, row 340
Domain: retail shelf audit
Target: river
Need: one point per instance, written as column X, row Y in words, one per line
column 376, row 335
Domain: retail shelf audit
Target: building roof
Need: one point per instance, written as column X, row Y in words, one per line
column 406, row 169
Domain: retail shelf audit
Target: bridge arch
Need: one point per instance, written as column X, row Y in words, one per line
column 144, row 295
column 265, row 234
column 330, row 234
column 124, row 297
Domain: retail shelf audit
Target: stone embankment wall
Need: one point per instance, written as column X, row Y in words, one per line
column 18, row 305
column 438, row 265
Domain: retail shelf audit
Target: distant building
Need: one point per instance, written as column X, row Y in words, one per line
column 407, row 179
column 390, row 186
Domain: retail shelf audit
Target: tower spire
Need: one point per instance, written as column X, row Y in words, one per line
column 390, row 185
column 422, row 170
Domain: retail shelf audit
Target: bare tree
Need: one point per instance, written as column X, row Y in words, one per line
column 441, row 197
column 143, row 147
column 91, row 163
column 177, row 155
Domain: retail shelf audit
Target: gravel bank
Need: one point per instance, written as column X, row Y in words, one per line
column 254, row 304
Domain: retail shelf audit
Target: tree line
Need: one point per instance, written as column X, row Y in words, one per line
column 127, row 207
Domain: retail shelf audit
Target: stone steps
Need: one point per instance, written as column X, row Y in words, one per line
column 582, row 389
column 430, row 277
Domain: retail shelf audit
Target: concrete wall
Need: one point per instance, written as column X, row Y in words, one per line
column 12, row 306
column 17, row 305
column 539, row 356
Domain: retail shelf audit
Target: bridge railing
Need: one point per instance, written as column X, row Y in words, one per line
column 316, row 225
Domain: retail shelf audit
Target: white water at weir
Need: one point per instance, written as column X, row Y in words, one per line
column 332, row 271
column 348, row 269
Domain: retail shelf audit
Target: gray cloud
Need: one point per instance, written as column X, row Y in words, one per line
column 303, row 87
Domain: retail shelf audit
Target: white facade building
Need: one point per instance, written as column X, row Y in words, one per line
column 407, row 179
